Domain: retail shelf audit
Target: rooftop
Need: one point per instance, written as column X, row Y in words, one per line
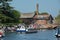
column 27, row 15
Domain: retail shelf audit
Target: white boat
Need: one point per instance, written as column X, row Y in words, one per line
column 21, row 29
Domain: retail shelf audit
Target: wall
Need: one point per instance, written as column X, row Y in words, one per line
column 41, row 22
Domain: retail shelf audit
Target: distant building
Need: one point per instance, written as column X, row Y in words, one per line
column 36, row 17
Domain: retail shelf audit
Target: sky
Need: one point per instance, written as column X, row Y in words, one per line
column 27, row 6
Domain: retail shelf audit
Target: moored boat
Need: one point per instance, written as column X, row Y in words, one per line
column 58, row 33
column 21, row 29
column 28, row 29
column 2, row 33
column 31, row 30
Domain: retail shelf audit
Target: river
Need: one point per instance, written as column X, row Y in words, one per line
column 41, row 35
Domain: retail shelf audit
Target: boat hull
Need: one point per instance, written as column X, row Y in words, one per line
column 31, row 32
column 20, row 30
column 58, row 35
column 2, row 36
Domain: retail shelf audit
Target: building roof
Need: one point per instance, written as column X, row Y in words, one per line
column 33, row 15
column 27, row 15
column 42, row 16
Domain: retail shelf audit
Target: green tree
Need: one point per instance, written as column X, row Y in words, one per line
column 16, row 14
column 58, row 18
column 7, row 13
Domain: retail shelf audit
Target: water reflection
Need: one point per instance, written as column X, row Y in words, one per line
column 1, row 38
column 58, row 38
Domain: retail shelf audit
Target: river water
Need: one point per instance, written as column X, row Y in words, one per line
column 41, row 35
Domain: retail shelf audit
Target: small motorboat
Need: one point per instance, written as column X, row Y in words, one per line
column 2, row 34
column 31, row 30
column 58, row 33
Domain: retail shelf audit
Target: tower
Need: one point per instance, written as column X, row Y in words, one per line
column 37, row 9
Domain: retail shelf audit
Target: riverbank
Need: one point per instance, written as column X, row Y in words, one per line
column 13, row 28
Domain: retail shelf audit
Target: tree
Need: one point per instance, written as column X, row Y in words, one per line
column 6, row 8
column 7, row 13
column 58, row 18
column 16, row 14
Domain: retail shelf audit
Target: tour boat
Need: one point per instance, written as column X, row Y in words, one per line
column 21, row 29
